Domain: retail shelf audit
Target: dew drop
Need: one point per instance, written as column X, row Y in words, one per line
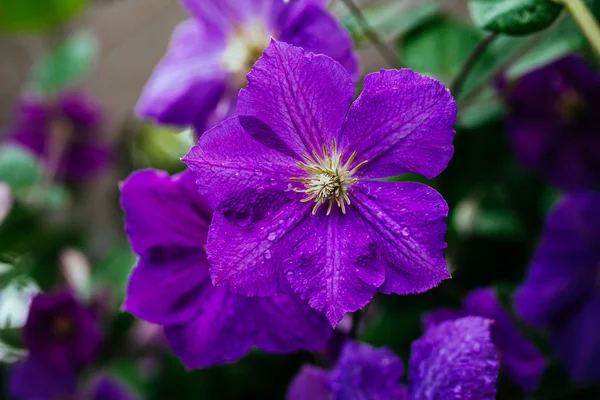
column 405, row 232
column 403, row 210
column 289, row 274
column 260, row 189
column 258, row 172
column 267, row 254
column 271, row 236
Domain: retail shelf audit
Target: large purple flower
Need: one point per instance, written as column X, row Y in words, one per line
column 561, row 293
column 167, row 223
column 60, row 331
column 454, row 360
column 553, row 126
column 64, row 132
column 521, row 360
column 295, row 183
column 197, row 81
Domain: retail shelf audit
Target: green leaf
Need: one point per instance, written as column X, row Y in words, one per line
column 66, row 65
column 514, row 17
column 36, row 15
column 391, row 20
column 561, row 40
column 19, row 168
column 114, row 270
column 439, row 48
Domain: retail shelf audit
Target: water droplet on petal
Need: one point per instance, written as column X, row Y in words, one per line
column 405, row 231
column 271, row 236
column 289, row 275
column 403, row 210
column 260, row 189
column 267, row 254
column 258, row 172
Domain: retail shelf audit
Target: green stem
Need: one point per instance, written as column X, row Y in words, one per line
column 586, row 21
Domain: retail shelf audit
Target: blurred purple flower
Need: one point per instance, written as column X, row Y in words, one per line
column 453, row 360
column 65, row 133
column 281, row 179
column 553, row 126
column 108, row 388
column 167, row 222
column 521, row 360
column 197, row 81
column 561, row 293
column 61, row 332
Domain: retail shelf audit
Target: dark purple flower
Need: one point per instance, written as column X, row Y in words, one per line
column 294, row 183
column 521, row 360
column 34, row 379
column 167, row 222
column 453, row 360
column 553, row 126
column 108, row 388
column 64, row 132
column 60, row 332
column 197, row 81
column 561, row 293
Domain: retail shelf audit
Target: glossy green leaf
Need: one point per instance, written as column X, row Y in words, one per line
column 66, row 66
column 514, row 17
column 36, row 15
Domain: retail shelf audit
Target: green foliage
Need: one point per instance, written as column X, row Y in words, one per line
column 391, row 20
column 439, row 48
column 514, row 17
column 18, row 16
column 66, row 65
column 19, row 169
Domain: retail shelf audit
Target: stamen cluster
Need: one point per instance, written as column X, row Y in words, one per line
column 329, row 178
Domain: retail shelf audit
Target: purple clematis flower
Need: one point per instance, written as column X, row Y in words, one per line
column 295, row 183
column 109, row 388
column 167, row 222
column 561, row 293
column 454, row 360
column 65, row 133
column 521, row 360
column 62, row 337
column 197, row 81
column 553, row 126
column 61, row 332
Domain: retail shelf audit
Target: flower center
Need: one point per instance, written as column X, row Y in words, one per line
column 244, row 48
column 571, row 106
column 62, row 327
column 329, row 178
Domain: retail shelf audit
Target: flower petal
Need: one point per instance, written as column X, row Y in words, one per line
column 406, row 222
column 33, row 379
column 402, row 123
column 331, row 263
column 224, row 15
column 248, row 259
column 564, row 270
column 159, row 212
column 166, row 285
column 310, row 383
column 363, row 372
column 241, row 178
column 317, row 31
column 454, row 360
column 186, row 86
column 521, row 360
column 295, row 102
column 228, row 325
column 577, row 342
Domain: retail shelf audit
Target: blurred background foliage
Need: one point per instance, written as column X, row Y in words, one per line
column 497, row 207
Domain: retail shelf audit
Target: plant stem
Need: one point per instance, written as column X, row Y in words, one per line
column 386, row 53
column 586, row 21
column 477, row 52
